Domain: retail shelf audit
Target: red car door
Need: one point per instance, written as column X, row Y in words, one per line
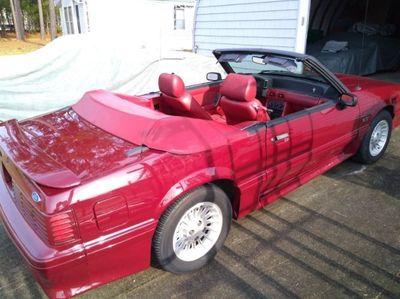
column 305, row 142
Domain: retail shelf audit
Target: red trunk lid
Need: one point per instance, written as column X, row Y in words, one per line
column 60, row 150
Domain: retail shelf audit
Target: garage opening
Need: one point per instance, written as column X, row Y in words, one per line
column 356, row 36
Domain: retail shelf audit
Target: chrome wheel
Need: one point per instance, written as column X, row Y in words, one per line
column 379, row 138
column 197, row 231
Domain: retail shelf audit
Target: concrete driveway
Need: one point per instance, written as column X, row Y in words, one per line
column 336, row 237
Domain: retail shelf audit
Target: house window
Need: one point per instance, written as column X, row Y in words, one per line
column 68, row 20
column 179, row 17
column 78, row 18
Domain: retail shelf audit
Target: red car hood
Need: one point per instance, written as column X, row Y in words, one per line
column 357, row 83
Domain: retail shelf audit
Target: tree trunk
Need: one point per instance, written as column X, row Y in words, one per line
column 2, row 26
column 53, row 25
column 18, row 19
column 12, row 11
column 42, row 32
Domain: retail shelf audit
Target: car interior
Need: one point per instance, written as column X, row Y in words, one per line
column 237, row 100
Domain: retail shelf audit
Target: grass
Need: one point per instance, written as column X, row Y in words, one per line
column 9, row 45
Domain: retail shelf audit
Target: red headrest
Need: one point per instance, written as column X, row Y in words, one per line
column 242, row 88
column 171, row 85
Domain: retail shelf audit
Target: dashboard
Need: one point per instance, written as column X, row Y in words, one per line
column 300, row 85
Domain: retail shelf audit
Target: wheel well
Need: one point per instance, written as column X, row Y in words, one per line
column 232, row 191
column 390, row 109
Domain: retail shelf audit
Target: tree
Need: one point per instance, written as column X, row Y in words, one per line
column 2, row 25
column 53, row 21
column 36, row 15
column 41, row 21
column 18, row 19
column 4, row 6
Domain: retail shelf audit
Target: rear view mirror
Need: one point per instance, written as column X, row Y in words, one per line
column 348, row 100
column 213, row 76
column 258, row 60
column 286, row 63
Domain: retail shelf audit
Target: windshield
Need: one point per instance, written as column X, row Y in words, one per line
column 269, row 64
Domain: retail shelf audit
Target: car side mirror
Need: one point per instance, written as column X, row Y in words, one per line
column 213, row 76
column 348, row 100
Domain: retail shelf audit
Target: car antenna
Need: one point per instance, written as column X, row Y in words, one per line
column 358, row 87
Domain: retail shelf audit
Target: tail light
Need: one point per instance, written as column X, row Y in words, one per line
column 61, row 229
column 57, row 229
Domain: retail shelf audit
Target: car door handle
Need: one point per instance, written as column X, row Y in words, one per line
column 280, row 137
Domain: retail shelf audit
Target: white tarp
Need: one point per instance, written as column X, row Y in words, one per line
column 58, row 74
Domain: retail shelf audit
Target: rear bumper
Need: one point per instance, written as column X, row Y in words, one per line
column 68, row 272
column 58, row 272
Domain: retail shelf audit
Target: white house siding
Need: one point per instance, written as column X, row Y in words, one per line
column 168, row 36
column 147, row 22
column 77, row 16
column 250, row 23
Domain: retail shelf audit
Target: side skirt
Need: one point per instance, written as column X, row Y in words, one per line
column 269, row 197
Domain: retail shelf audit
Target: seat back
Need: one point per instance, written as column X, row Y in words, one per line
column 175, row 100
column 238, row 100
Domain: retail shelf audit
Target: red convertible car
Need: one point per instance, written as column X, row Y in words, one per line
column 117, row 183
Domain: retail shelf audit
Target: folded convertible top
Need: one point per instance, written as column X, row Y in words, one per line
column 145, row 126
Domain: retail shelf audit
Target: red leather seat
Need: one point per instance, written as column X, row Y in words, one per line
column 238, row 100
column 175, row 100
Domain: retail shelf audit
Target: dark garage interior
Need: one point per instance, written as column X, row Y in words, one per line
column 356, row 36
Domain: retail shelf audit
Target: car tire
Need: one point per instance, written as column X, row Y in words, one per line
column 192, row 230
column 376, row 140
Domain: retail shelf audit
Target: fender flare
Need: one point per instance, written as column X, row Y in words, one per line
column 191, row 182
column 395, row 103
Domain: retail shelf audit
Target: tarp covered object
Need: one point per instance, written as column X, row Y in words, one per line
column 58, row 74
column 379, row 53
